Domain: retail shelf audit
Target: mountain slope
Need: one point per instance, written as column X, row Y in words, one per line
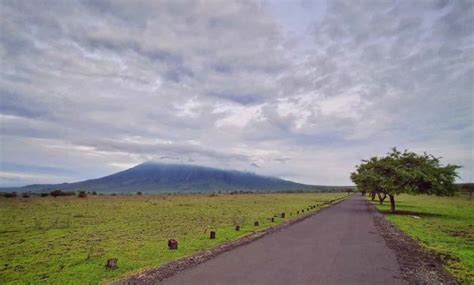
column 157, row 177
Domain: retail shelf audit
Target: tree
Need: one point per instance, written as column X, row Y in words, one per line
column 10, row 195
column 405, row 172
column 56, row 193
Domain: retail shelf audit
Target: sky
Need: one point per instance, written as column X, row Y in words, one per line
column 302, row 90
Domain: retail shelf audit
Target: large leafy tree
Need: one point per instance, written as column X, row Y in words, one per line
column 405, row 172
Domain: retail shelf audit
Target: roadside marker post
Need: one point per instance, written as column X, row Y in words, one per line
column 112, row 263
column 172, row 244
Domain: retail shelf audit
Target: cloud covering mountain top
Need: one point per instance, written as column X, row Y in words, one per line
column 301, row 89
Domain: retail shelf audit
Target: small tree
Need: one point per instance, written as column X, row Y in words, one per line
column 56, row 193
column 405, row 172
column 10, row 195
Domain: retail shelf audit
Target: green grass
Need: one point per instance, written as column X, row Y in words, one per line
column 67, row 240
column 445, row 225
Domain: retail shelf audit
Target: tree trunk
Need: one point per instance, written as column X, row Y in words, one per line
column 392, row 203
column 381, row 198
column 372, row 196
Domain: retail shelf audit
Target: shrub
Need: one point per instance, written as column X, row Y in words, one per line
column 10, row 195
column 44, row 195
column 82, row 194
column 139, row 193
column 57, row 193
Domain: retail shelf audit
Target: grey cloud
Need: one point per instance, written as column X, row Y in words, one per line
column 224, row 84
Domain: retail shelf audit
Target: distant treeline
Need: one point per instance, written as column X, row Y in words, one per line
column 83, row 193
column 466, row 188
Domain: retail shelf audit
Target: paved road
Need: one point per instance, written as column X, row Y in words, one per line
column 339, row 245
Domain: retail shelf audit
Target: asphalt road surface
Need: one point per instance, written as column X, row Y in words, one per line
column 339, row 245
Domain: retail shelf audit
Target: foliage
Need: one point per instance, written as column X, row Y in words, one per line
column 58, row 193
column 467, row 189
column 405, row 172
column 66, row 240
column 82, row 194
column 10, row 195
column 442, row 224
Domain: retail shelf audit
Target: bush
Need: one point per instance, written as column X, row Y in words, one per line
column 44, row 195
column 94, row 193
column 57, row 193
column 25, row 195
column 82, row 194
column 10, row 195
column 139, row 193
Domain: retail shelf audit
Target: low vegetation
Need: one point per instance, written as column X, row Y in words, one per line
column 63, row 239
column 442, row 224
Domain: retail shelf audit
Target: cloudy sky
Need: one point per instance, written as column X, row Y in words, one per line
column 302, row 90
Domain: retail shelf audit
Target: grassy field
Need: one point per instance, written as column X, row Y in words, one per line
column 67, row 240
column 445, row 225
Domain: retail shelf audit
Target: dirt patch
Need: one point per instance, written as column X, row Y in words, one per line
column 154, row 276
column 418, row 265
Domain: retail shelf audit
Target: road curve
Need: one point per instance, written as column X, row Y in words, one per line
column 339, row 245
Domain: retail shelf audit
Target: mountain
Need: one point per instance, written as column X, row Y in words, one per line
column 154, row 177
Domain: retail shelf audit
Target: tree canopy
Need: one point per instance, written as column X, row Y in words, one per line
column 405, row 172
